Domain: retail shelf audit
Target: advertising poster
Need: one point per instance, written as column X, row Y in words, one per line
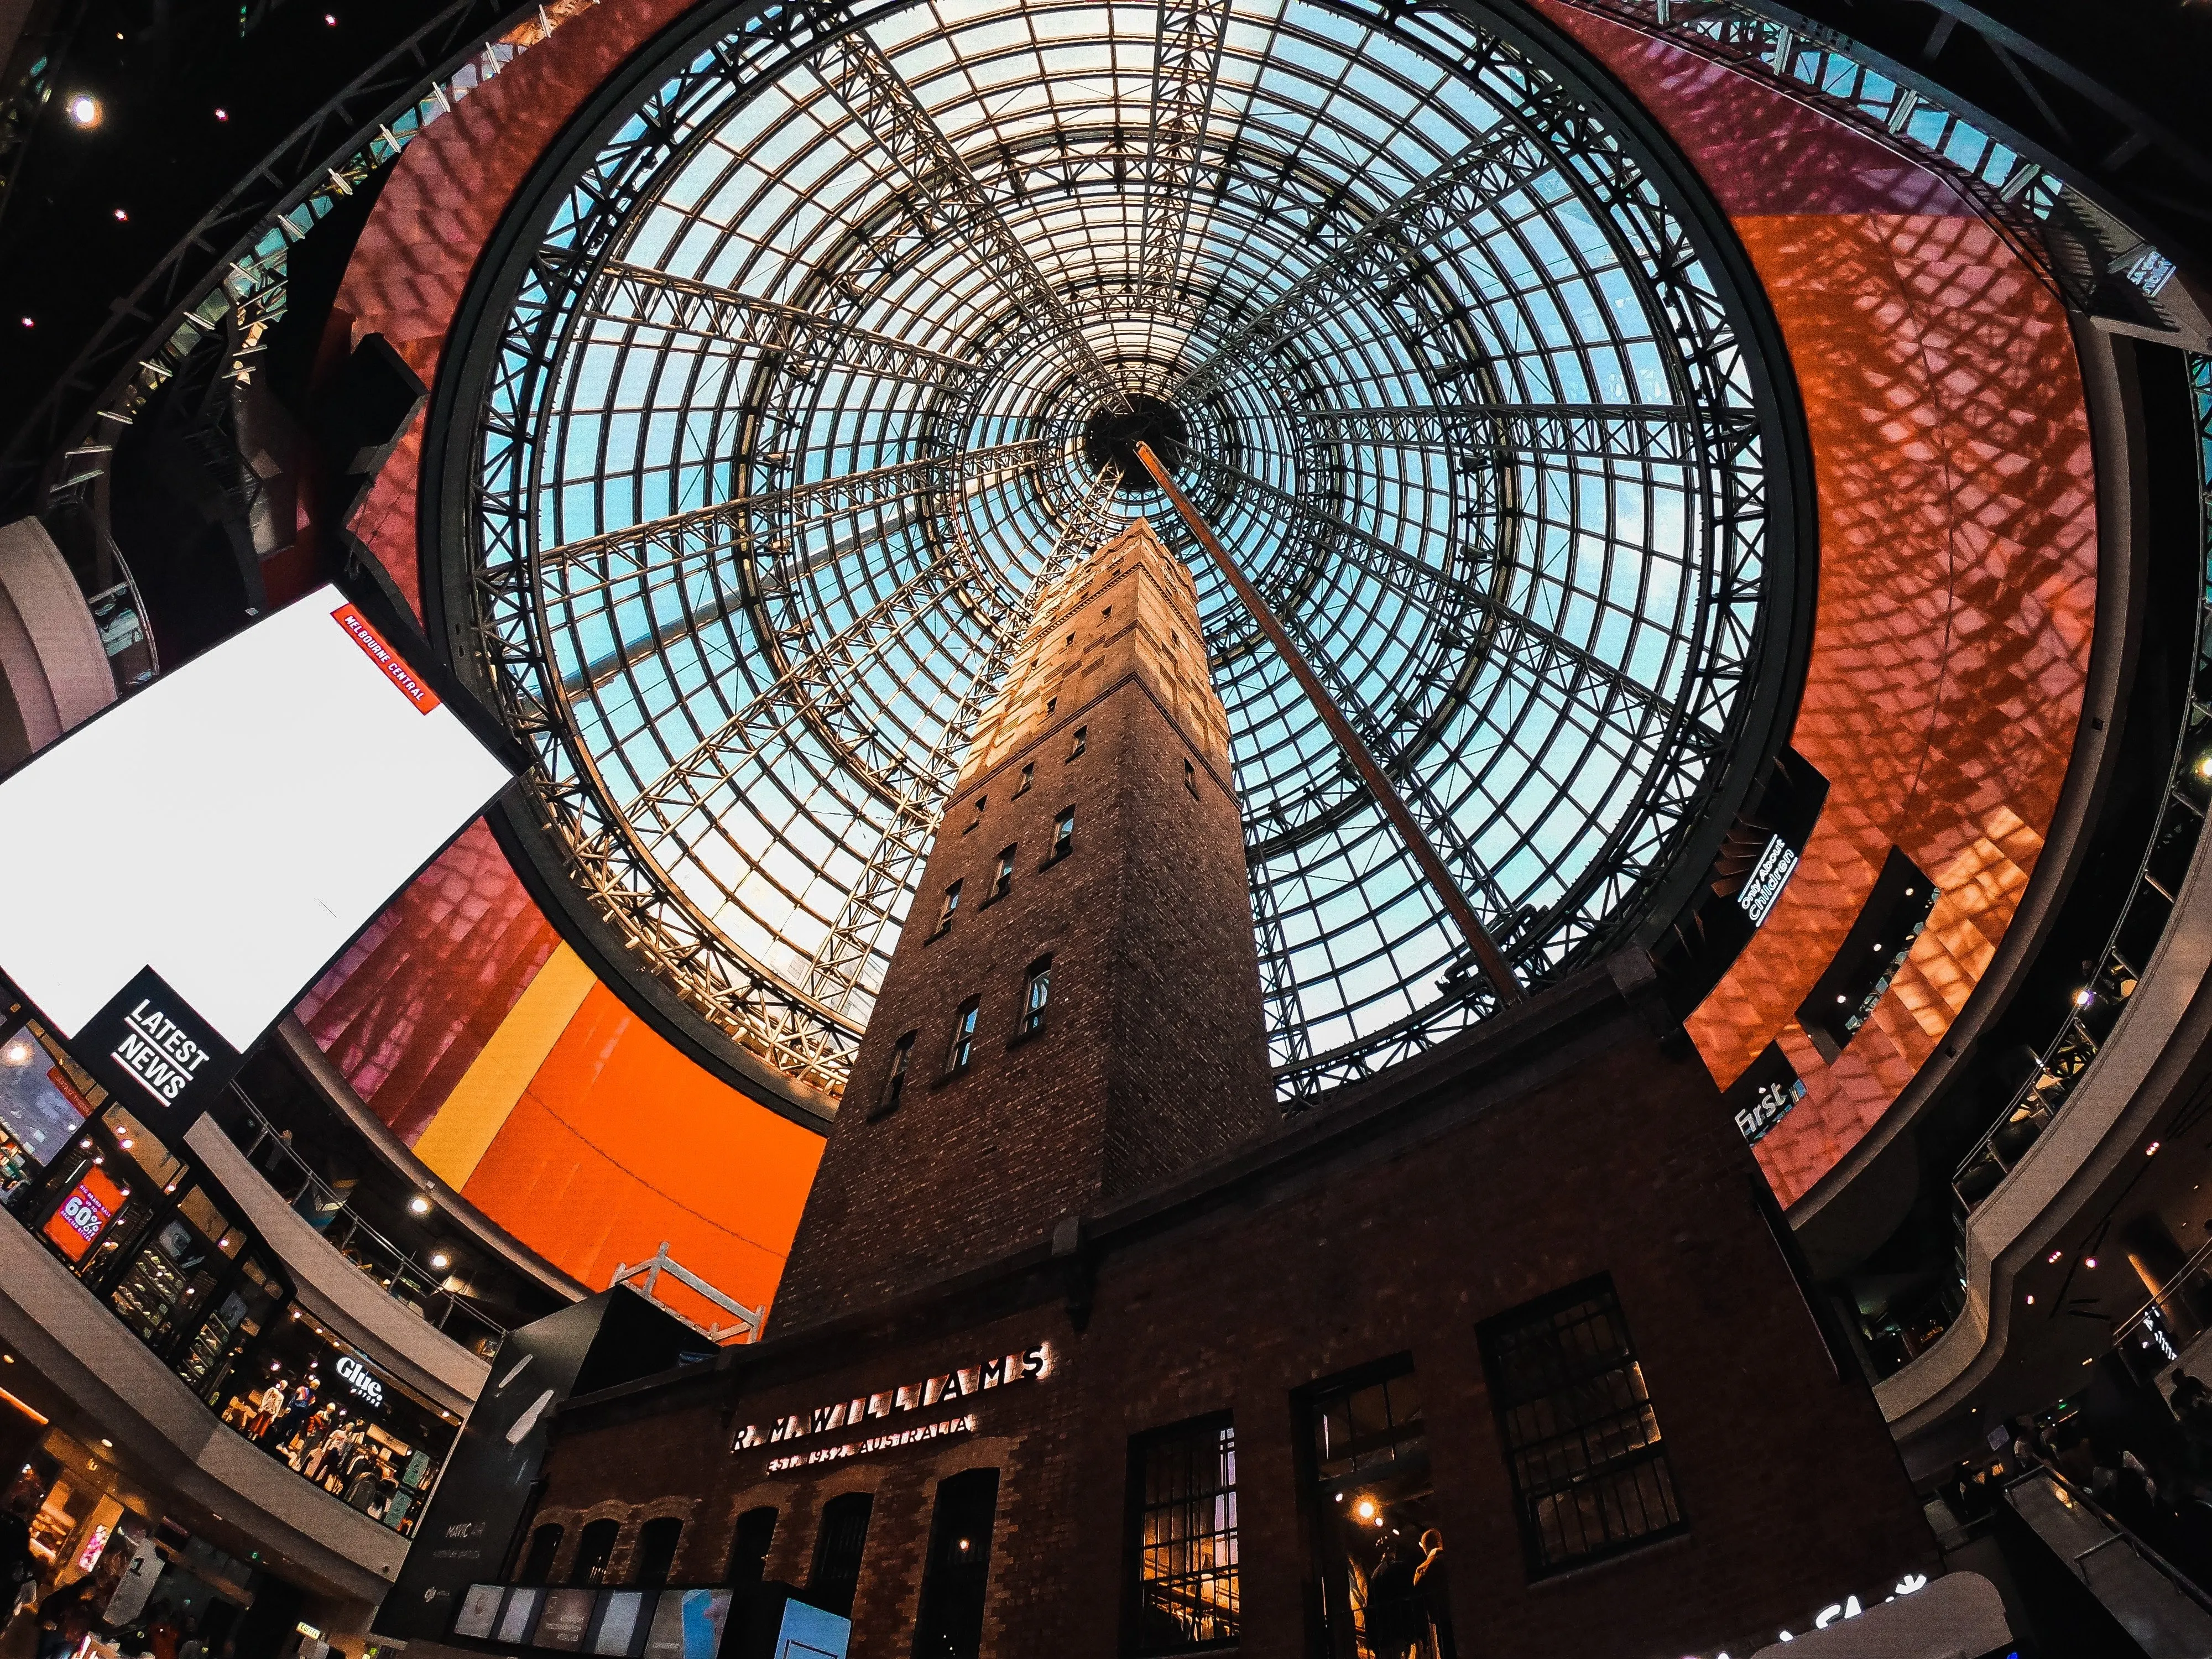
column 563, row 1619
column 35, row 1110
column 521, row 1607
column 479, row 1609
column 618, row 1621
column 688, row 1623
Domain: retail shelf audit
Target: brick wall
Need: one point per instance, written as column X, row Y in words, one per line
column 1519, row 1163
column 1153, row 1054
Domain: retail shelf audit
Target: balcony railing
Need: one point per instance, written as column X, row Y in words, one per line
column 396, row 1270
column 2152, row 897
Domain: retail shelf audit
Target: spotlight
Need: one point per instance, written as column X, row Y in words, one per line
column 2082, row 997
column 110, row 1444
column 19, row 1051
column 2204, row 766
column 2088, row 1260
column 1366, row 1509
column 84, row 111
column 223, row 115
column 440, row 1261
column 2053, row 1256
column 2151, row 1151
column 2031, row 1298
column 121, row 217
column 418, row 1205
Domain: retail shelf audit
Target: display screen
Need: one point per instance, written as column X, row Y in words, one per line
column 232, row 826
column 564, row 1618
column 514, row 1625
column 34, row 1107
column 479, row 1608
column 688, row 1623
column 618, row 1621
column 84, row 1214
column 808, row 1632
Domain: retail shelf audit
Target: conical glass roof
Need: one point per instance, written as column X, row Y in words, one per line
column 830, row 355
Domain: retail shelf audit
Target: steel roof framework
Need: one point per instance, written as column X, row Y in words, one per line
column 783, row 441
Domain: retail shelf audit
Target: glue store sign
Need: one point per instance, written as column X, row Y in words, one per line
column 362, row 1380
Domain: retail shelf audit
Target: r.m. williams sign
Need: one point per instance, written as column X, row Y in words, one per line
column 862, row 1410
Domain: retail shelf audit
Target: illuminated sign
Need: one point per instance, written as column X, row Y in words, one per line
column 1848, row 1608
column 876, row 1442
column 84, row 1214
column 1768, row 878
column 958, row 1384
column 362, row 1380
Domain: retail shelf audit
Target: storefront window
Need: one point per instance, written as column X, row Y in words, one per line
column 1183, row 1493
column 1380, row 1547
column 41, row 1110
column 339, row 1422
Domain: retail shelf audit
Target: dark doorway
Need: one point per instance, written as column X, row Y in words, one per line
column 955, row 1576
column 656, row 1551
column 837, row 1552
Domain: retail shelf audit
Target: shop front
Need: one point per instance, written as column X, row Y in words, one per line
column 316, row 1403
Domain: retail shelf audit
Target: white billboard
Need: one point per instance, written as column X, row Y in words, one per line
column 230, row 828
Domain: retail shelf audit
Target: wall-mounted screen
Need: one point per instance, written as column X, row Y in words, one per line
column 35, row 1109
column 214, row 840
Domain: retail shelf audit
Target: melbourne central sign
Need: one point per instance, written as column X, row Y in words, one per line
column 866, row 1410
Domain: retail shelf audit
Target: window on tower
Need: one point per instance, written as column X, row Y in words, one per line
column 963, row 1036
column 1036, row 991
column 895, row 1084
column 978, row 818
column 1082, row 736
column 1063, row 835
column 1190, row 778
column 944, row 911
column 1029, row 777
column 1005, row 877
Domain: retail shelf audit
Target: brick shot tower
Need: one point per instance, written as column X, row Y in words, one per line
column 1072, row 1010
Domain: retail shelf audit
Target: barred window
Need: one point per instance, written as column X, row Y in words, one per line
column 1590, row 1477
column 1183, row 1490
column 838, row 1548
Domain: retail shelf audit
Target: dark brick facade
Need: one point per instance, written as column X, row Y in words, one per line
column 1152, row 1055
column 1562, row 1141
column 1113, row 1200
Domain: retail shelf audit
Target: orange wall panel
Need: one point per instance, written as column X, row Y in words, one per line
column 619, row 1142
column 1957, row 591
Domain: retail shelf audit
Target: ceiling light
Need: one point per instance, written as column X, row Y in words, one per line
column 110, row 1444
column 1366, row 1509
column 121, row 217
column 19, row 1051
column 440, row 1261
column 2088, row 1260
column 419, row 1205
column 2053, row 1256
column 2031, row 1298
column 2151, row 1151
column 84, row 111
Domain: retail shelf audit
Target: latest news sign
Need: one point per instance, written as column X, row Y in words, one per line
column 880, row 1410
column 200, row 850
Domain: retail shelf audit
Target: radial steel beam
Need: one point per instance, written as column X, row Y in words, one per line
column 632, row 296
column 1185, row 63
column 943, row 193
column 1368, row 266
column 708, row 532
column 839, row 961
column 1488, row 956
column 1541, row 650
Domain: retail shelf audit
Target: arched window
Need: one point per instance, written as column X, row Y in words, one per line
column 538, row 1561
column 656, row 1551
column 595, row 1545
column 837, row 1550
column 749, row 1548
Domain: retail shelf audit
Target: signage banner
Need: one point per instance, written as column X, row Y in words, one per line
column 159, row 1059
